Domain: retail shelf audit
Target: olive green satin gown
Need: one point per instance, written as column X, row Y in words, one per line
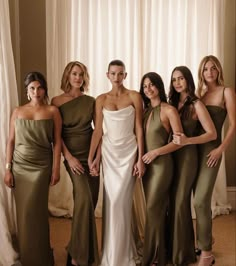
column 32, row 168
column 77, row 116
column 205, row 182
column 156, row 183
column 181, row 238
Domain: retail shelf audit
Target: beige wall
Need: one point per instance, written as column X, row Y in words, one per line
column 229, row 65
column 28, row 22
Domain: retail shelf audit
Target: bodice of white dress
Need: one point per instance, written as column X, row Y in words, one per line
column 119, row 150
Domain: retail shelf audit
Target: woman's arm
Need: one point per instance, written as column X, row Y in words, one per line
column 175, row 124
column 207, row 124
column 230, row 107
column 9, row 179
column 139, row 167
column 56, row 147
column 215, row 155
column 97, row 133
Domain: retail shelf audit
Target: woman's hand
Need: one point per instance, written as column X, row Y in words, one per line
column 213, row 157
column 94, row 167
column 139, row 169
column 55, row 177
column 180, row 139
column 9, row 179
column 149, row 156
column 75, row 165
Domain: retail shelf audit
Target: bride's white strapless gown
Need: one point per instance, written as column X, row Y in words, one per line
column 119, row 151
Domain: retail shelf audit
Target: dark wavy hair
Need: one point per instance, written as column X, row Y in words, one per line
column 173, row 96
column 37, row 76
column 158, row 83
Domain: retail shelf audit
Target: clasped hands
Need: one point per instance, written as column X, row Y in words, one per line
column 180, row 139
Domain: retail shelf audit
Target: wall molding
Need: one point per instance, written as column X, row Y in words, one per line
column 231, row 195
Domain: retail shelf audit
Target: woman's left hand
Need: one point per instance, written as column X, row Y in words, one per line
column 149, row 156
column 179, row 138
column 213, row 157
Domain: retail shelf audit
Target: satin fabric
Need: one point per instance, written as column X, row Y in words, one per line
column 205, row 182
column 119, row 151
column 8, row 255
column 156, row 183
column 181, row 238
column 77, row 116
column 32, row 168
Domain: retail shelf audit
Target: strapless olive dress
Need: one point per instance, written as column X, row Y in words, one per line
column 32, row 168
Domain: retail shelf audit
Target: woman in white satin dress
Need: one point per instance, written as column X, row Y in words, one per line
column 118, row 124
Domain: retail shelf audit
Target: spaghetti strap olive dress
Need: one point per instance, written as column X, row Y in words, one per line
column 181, row 238
column 205, row 182
column 156, row 183
column 32, row 168
column 77, row 116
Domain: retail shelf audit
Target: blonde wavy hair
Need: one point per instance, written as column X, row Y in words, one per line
column 65, row 84
column 202, row 86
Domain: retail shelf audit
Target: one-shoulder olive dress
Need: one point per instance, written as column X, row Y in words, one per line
column 181, row 238
column 205, row 182
column 156, row 182
column 77, row 116
column 32, row 168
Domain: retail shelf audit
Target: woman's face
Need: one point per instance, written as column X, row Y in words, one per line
column 35, row 91
column 179, row 82
column 149, row 89
column 76, row 77
column 116, row 75
column 210, row 72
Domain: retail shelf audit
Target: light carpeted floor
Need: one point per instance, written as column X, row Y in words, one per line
column 224, row 231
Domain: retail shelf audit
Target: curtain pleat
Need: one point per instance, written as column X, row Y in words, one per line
column 9, row 100
column 148, row 35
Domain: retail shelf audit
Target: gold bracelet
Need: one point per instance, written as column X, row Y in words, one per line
column 8, row 166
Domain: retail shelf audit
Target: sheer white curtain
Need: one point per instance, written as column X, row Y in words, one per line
column 9, row 99
column 148, row 35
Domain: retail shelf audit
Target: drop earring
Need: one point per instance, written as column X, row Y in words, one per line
column 28, row 97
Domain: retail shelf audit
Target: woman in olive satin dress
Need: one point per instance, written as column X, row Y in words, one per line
column 193, row 113
column 77, row 111
column 219, row 101
column 32, row 163
column 160, row 120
